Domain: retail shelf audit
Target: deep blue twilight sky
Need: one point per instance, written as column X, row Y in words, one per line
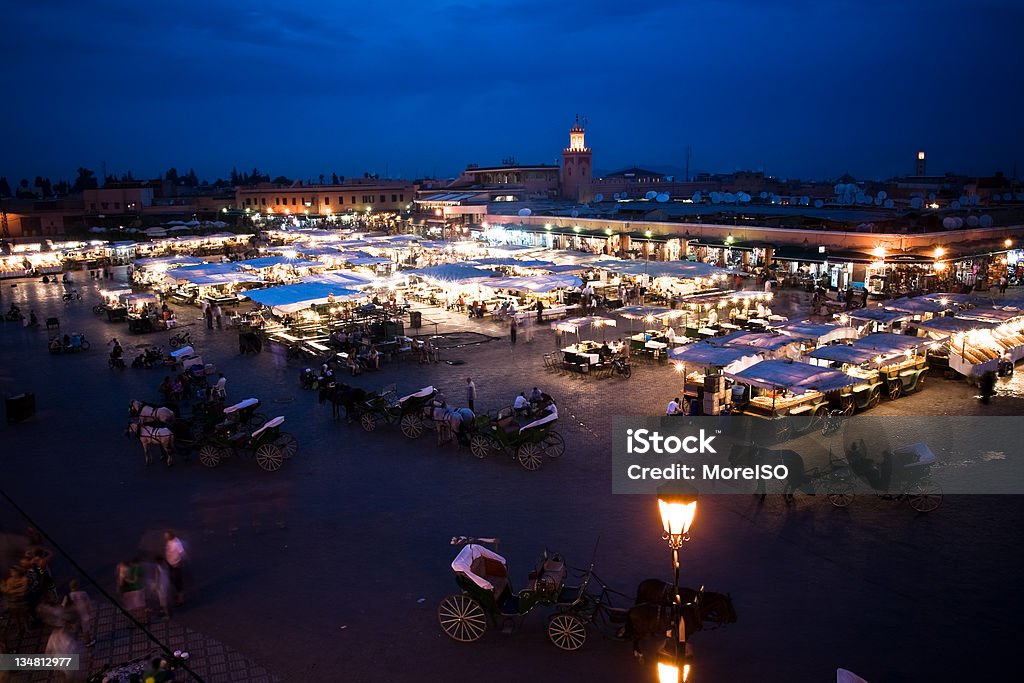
column 793, row 87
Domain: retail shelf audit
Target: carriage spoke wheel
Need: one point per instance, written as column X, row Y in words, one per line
column 530, row 455
column 840, row 495
column 411, row 425
column 920, row 382
column 287, row 443
column 554, row 445
column 210, row 455
column 817, row 419
column 924, row 496
column 848, row 407
column 874, row 399
column 895, row 389
column 269, row 457
column 367, row 422
column 462, row 618
column 479, row 445
column 567, row 631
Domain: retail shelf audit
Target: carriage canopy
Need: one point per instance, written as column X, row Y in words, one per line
column 469, row 560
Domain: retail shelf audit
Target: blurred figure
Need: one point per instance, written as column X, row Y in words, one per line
column 174, row 553
column 81, row 603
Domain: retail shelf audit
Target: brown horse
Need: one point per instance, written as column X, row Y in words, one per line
column 343, row 396
column 714, row 607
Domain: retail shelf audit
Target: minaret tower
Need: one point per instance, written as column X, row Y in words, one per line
column 577, row 169
column 920, row 169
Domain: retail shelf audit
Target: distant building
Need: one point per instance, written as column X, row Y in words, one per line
column 921, row 167
column 323, row 200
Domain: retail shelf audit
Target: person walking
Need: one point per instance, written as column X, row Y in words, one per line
column 209, row 315
column 217, row 313
column 80, row 601
column 174, row 553
column 540, row 311
column 471, row 394
column 512, row 329
column 129, row 585
column 1004, row 282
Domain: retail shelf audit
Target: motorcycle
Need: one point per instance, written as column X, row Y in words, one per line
column 833, row 422
column 620, row 366
column 73, row 295
column 181, row 339
column 13, row 316
column 115, row 360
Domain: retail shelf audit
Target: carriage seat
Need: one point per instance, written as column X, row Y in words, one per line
column 508, row 425
column 494, row 573
column 241, row 405
column 276, row 422
column 425, row 392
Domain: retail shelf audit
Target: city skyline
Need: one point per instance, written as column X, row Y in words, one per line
column 799, row 90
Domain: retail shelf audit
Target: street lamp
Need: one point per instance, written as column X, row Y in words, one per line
column 677, row 504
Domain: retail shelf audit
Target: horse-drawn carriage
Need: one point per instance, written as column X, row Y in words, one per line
column 903, row 474
column 413, row 413
column 487, row 596
column 217, row 433
column 528, row 439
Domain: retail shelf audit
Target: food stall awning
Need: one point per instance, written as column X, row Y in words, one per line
column 452, row 272
column 271, row 261
column 702, row 354
column 851, row 355
column 534, row 283
column 955, row 297
column 991, row 315
column 186, row 273
column 881, row 342
column 166, row 262
column 574, row 325
column 916, row 306
column 292, row 298
column 793, row 376
column 565, row 268
column 766, row 341
column 341, row 278
column 817, row 332
column 878, row 315
column 213, row 279
column 509, row 261
column 649, row 312
column 681, row 269
column 947, row 325
column 140, row 298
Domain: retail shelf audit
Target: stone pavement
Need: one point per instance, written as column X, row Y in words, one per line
column 118, row 641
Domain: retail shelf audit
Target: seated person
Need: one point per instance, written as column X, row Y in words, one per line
column 373, row 358
column 604, row 352
column 521, row 404
column 535, row 395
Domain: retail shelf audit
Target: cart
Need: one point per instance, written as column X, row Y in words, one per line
column 528, row 443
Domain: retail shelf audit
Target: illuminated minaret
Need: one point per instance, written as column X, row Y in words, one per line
column 920, row 168
column 577, row 170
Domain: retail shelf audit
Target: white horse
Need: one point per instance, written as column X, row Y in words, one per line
column 149, row 435
column 147, row 413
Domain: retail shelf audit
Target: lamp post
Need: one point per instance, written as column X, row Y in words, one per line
column 677, row 504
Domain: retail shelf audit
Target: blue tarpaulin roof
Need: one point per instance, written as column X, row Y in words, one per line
column 452, row 272
column 851, row 355
column 271, row 261
column 291, row 298
column 534, row 283
column 916, row 306
column 705, row 355
column 817, row 332
column 793, row 376
column 884, row 341
column 879, row 315
column 948, row 325
column 766, row 341
column 661, row 268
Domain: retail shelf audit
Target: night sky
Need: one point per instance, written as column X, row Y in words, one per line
column 792, row 87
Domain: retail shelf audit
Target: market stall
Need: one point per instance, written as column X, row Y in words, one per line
column 702, row 365
column 142, row 312
column 977, row 351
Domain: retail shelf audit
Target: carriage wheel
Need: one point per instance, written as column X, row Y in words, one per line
column 287, row 443
column 840, row 494
column 99, row 309
column 269, row 457
column 462, row 618
column 920, row 381
column 411, row 425
column 849, row 406
column 817, row 419
column 530, row 455
column 479, row 445
column 874, row 398
column 924, row 496
column 210, row 455
column 783, row 430
column 554, row 445
column 368, row 422
column 895, row 389
column 567, row 631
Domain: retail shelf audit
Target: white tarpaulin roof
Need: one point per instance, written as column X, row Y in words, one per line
column 851, row 355
column 879, row 315
column 271, row 261
column 534, row 283
column 168, row 261
column 463, row 563
column 796, row 377
column 992, row 315
column 947, row 325
column 767, row 341
column 291, row 298
column 577, row 324
column 916, row 306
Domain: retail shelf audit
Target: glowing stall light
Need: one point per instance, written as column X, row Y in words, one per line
column 289, row 253
column 1007, row 243
column 940, row 266
column 939, row 252
column 879, row 252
